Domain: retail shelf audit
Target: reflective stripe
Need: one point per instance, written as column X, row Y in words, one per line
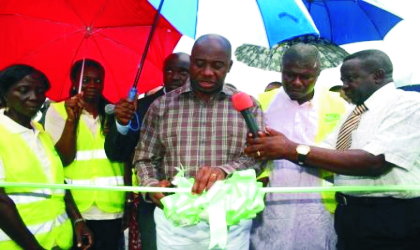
column 85, row 155
column 41, row 228
column 99, row 181
column 36, row 195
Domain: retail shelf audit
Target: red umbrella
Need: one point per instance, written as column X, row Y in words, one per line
column 52, row 34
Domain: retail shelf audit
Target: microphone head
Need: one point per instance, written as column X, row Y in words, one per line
column 109, row 109
column 242, row 101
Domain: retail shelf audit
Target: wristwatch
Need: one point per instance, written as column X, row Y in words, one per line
column 302, row 152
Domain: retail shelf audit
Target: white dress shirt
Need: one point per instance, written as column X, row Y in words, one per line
column 390, row 126
column 295, row 220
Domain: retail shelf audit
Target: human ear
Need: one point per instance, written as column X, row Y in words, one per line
column 379, row 75
column 230, row 65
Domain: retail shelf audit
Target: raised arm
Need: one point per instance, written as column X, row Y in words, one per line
column 67, row 139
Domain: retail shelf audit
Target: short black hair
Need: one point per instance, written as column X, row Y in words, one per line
column 77, row 66
column 373, row 59
column 303, row 52
column 14, row 73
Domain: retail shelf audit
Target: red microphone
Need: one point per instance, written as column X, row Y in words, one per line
column 243, row 103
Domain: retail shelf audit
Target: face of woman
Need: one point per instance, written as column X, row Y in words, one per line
column 25, row 98
column 92, row 83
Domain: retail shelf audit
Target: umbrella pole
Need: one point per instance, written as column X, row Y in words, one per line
column 133, row 90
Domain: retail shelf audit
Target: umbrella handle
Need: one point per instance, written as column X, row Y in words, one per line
column 132, row 94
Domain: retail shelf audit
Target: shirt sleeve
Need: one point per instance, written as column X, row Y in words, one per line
column 54, row 124
column 122, row 129
column 149, row 151
column 398, row 136
column 243, row 161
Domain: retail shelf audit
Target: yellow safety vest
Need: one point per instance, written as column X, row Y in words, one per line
column 92, row 167
column 42, row 210
column 331, row 110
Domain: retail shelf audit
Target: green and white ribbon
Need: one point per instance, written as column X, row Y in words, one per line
column 237, row 198
column 395, row 188
column 227, row 202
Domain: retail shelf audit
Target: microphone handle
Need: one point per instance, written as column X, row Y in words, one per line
column 250, row 122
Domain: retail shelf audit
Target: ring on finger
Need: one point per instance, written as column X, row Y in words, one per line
column 258, row 153
column 213, row 175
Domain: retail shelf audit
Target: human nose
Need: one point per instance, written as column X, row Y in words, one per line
column 345, row 86
column 33, row 96
column 296, row 80
column 176, row 76
column 207, row 70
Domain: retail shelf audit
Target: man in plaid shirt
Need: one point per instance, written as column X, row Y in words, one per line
column 196, row 126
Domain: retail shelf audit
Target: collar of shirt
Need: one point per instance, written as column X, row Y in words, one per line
column 376, row 99
column 13, row 126
column 227, row 91
column 311, row 103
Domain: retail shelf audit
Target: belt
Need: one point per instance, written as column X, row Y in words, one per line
column 348, row 200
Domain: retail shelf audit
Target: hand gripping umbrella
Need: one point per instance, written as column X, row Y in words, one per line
column 52, row 35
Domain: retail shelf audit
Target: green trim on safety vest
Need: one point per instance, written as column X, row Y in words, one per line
column 331, row 110
column 42, row 210
column 91, row 166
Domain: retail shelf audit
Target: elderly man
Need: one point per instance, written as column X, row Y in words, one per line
column 378, row 144
column 307, row 113
column 196, row 126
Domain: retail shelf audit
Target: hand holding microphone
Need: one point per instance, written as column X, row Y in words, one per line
column 244, row 104
column 123, row 110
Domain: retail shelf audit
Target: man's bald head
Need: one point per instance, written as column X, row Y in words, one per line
column 306, row 55
column 176, row 70
column 210, row 63
column 216, row 38
column 300, row 68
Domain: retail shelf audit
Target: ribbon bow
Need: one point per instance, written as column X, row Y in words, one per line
column 226, row 203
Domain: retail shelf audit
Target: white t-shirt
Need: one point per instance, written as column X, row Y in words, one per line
column 31, row 137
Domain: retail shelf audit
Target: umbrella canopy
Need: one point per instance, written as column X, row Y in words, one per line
column 350, row 21
column 270, row 59
column 52, row 35
column 280, row 20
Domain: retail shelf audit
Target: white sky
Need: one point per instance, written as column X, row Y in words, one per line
column 241, row 24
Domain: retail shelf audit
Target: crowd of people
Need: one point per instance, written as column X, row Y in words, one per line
column 309, row 137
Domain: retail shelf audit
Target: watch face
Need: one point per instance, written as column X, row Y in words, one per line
column 303, row 149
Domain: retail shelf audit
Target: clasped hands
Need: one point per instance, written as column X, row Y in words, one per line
column 204, row 180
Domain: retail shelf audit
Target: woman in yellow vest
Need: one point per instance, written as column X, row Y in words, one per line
column 32, row 218
column 78, row 127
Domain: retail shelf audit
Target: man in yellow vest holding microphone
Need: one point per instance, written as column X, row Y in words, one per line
column 307, row 115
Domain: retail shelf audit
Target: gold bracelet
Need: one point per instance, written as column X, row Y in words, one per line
column 129, row 201
column 77, row 221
